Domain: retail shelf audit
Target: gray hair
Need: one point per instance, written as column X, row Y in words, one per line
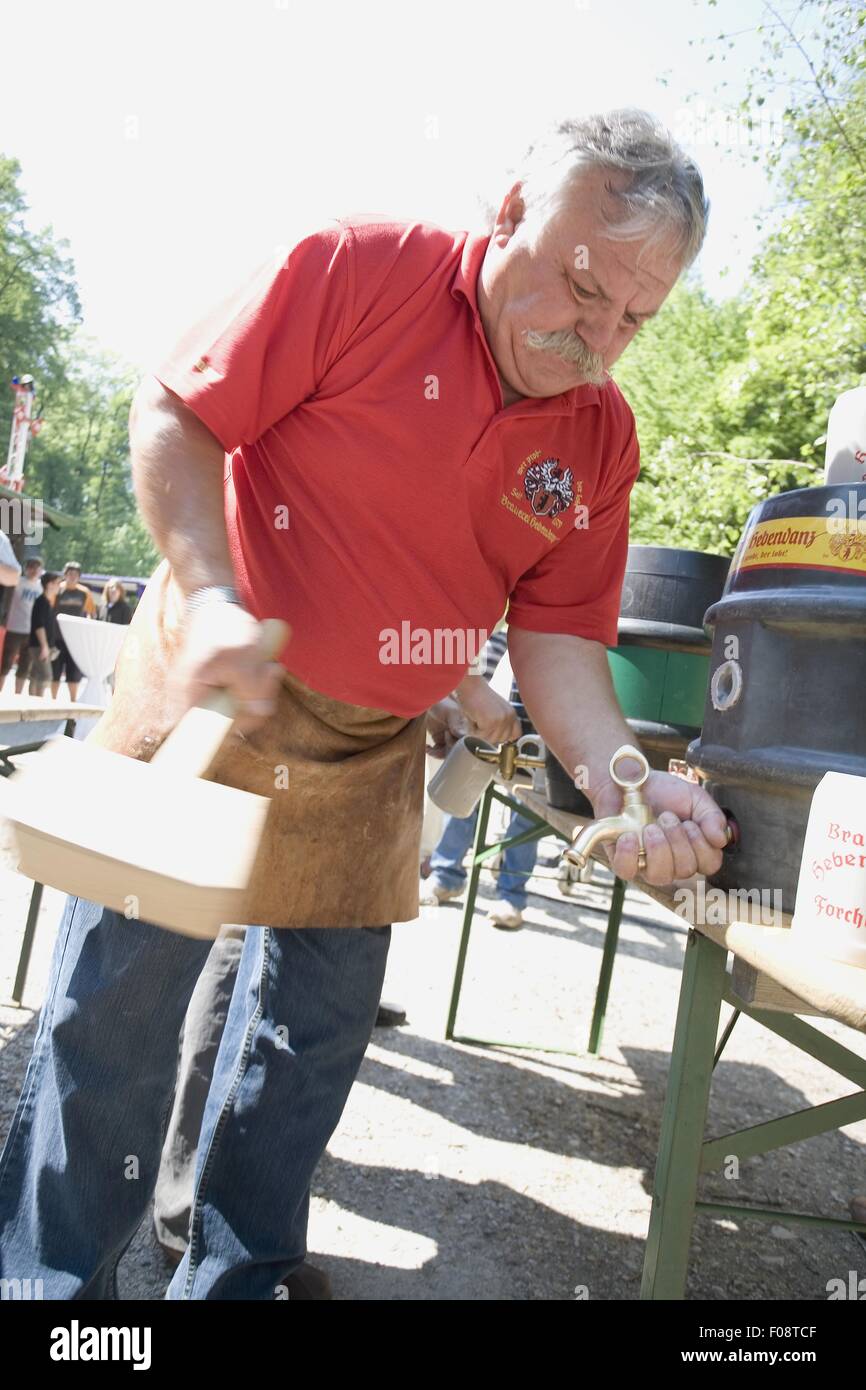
column 665, row 191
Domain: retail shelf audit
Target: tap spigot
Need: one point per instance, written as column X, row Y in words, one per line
column 510, row 756
column 634, row 816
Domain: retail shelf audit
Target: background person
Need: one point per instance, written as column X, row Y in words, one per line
column 498, row 721
column 75, row 600
column 114, row 607
column 10, row 568
column 43, row 634
column 16, row 645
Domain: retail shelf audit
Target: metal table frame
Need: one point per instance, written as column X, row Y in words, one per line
column 481, row 852
column 684, row 1154
column 7, row 767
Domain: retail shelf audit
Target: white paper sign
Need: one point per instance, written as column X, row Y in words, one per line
column 831, row 891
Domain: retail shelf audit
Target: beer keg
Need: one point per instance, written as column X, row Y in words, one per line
column 787, row 694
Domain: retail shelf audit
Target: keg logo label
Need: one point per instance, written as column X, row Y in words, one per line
column 803, row 542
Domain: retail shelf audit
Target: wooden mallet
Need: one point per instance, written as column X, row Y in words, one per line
column 150, row 840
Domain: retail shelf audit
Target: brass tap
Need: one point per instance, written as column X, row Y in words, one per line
column 633, row 817
column 509, row 758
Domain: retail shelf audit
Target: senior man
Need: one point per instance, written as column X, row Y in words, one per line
column 395, row 430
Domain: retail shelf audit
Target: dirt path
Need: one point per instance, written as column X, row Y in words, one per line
column 459, row 1172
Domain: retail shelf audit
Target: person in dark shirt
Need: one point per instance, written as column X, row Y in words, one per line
column 75, row 600
column 43, row 634
column 114, row 607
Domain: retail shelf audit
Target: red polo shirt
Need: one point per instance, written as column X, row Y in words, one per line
column 376, row 489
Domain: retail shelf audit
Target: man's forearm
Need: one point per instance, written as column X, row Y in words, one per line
column 177, row 473
column 566, row 686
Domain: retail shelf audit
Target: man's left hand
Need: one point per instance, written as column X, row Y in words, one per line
column 446, row 724
column 686, row 837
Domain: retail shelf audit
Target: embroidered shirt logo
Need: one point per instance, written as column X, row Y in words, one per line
column 549, row 487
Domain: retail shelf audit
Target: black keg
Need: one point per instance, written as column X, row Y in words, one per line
column 660, row 666
column 665, row 594
column 787, row 695
column 562, row 794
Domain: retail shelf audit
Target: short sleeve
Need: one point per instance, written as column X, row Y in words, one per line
column 267, row 347
column 576, row 588
column 7, row 554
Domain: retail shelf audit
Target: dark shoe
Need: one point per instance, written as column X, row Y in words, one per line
column 306, row 1282
column 390, row 1015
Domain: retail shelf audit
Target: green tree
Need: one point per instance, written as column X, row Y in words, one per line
column 731, row 400
column 39, row 304
column 79, row 462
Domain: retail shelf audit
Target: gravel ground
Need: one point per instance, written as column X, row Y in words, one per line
column 461, row 1172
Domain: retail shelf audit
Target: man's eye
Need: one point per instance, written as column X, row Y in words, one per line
column 579, row 290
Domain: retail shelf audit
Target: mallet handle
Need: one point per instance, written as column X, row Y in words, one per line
column 193, row 744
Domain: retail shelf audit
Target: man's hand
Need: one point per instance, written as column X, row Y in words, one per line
column 687, row 836
column 446, row 724
column 494, row 718
column 223, row 650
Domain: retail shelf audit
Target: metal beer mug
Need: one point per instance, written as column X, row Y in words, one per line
column 473, row 764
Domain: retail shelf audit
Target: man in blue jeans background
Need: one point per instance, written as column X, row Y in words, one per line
column 447, row 875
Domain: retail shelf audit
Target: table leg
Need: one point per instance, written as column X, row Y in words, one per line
column 27, row 944
column 478, row 846
column 685, row 1112
column 611, row 937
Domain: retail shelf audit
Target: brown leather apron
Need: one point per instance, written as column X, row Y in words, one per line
column 341, row 846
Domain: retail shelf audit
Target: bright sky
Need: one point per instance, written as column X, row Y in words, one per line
column 177, row 143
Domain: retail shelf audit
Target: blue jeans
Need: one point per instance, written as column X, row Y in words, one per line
column 83, row 1151
column 446, row 861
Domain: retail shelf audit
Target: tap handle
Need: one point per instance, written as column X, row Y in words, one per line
column 629, row 751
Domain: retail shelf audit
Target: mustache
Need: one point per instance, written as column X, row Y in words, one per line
column 573, row 350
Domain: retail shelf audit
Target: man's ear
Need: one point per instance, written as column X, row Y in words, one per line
column 510, row 215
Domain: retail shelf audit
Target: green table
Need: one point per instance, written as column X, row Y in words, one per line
column 792, row 980
column 545, row 820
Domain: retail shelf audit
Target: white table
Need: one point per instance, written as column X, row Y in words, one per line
column 26, row 721
column 94, row 647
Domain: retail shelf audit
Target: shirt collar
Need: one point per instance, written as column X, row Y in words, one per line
column 465, row 284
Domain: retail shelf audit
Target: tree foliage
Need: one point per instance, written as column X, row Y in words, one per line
column 732, row 400
column 79, row 462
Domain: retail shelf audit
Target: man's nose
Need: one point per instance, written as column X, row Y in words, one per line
column 597, row 327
